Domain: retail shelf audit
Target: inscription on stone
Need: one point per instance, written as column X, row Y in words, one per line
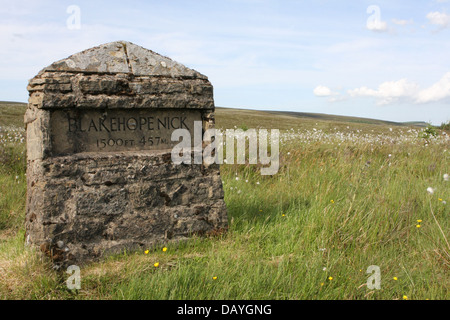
column 75, row 131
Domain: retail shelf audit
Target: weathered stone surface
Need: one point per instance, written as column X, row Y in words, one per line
column 119, row 75
column 119, row 91
column 107, row 58
column 99, row 175
column 95, row 204
column 122, row 57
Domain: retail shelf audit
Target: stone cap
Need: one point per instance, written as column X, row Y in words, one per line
column 122, row 57
column 119, row 75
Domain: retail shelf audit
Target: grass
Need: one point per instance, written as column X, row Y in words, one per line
column 336, row 207
column 12, row 114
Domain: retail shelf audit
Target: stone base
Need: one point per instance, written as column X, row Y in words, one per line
column 93, row 204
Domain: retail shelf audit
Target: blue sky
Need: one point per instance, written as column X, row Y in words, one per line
column 379, row 59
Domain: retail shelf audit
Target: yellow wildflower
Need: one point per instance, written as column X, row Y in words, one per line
column 146, row 251
column 164, row 249
column 156, row 264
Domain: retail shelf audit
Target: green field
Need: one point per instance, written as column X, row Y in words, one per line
column 349, row 194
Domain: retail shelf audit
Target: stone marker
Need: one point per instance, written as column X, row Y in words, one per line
column 99, row 173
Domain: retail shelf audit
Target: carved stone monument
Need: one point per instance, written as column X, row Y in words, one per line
column 100, row 177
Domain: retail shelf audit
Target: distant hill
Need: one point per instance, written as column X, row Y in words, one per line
column 329, row 117
column 12, row 102
column 11, row 113
column 416, row 123
column 229, row 117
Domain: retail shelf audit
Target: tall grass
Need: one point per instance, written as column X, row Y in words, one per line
column 336, row 207
column 12, row 176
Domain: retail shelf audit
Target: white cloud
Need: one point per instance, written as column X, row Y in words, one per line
column 325, row 92
column 363, row 92
column 438, row 91
column 387, row 92
column 402, row 22
column 438, row 18
column 322, row 91
column 377, row 25
column 405, row 91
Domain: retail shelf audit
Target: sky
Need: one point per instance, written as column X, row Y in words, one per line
column 387, row 60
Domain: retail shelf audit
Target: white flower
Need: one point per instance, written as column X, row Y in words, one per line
column 430, row 190
column 237, row 178
column 446, row 177
column 257, row 182
column 17, row 177
column 324, row 269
